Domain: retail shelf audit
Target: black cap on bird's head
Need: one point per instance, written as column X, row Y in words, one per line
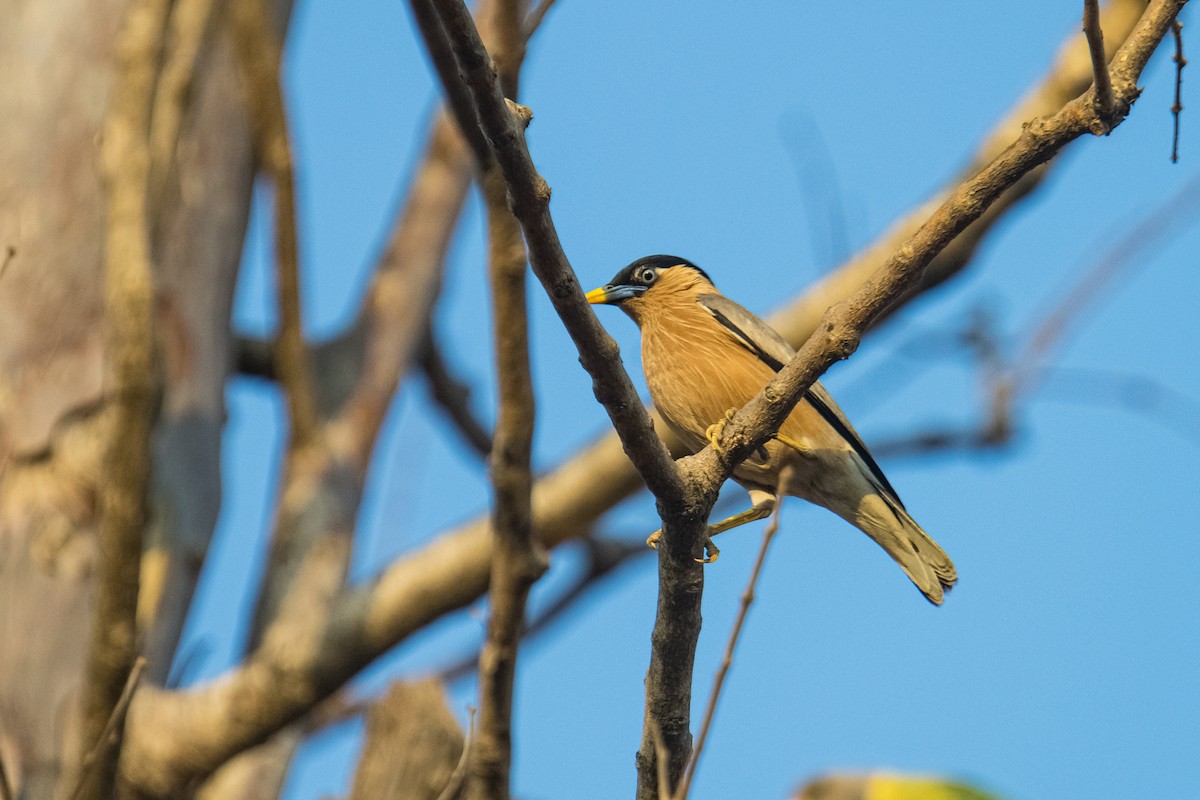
column 636, row 279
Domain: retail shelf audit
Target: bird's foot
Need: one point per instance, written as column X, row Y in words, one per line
column 714, row 431
column 710, row 551
column 710, row 548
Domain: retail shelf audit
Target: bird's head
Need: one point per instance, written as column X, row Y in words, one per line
column 651, row 283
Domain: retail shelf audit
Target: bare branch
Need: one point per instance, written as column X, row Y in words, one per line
column 1106, row 102
column 191, row 29
column 710, row 710
column 536, row 18
column 454, row 786
column 1177, row 106
column 260, row 54
column 106, row 745
column 517, row 560
column 603, row 556
column 412, row 745
column 529, row 197
column 452, row 395
column 1178, row 211
column 844, row 325
column 1070, row 76
column 129, row 316
column 366, row 620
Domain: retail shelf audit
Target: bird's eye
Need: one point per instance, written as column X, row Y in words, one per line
column 647, row 276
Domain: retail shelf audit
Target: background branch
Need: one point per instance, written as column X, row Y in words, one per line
column 517, row 559
column 261, row 55
column 129, row 312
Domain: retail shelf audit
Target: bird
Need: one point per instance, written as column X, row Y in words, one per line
column 704, row 357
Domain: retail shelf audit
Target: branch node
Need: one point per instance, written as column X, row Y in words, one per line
column 523, row 114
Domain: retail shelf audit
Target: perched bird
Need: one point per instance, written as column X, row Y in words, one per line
column 705, row 357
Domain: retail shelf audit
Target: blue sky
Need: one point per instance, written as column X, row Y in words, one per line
column 1064, row 663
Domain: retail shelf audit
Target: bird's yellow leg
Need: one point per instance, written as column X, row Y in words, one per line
column 764, row 504
column 713, row 432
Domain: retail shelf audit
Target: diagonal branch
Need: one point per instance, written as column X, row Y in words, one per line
column 529, row 196
column 445, row 575
column 843, row 325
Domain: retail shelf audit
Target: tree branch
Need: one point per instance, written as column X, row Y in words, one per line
column 1069, row 77
column 452, row 395
column 192, row 25
column 844, row 325
column 1106, row 102
column 445, row 575
column 261, row 54
column 1177, row 106
column 129, row 317
column 529, row 197
column 517, row 560
column 735, row 633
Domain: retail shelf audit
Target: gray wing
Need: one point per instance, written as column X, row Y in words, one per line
column 769, row 347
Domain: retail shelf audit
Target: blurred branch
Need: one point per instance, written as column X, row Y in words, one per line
column 259, row 773
column 105, row 746
column 452, row 395
column 136, row 384
column 1070, row 75
column 1178, row 211
column 190, row 30
column 683, row 504
column 536, row 18
column 261, row 54
column 412, row 745
column 517, row 559
column 529, row 197
column 603, row 557
column 843, row 326
column 313, row 657
column 1007, row 383
column 1177, row 106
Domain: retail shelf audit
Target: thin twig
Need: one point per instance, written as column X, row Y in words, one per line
column 710, row 710
column 458, row 778
column 517, row 559
column 191, row 29
column 452, row 395
column 369, row 619
column 535, row 19
column 1175, row 213
column 108, row 736
column 1106, row 101
column 260, row 54
column 1177, row 106
column 604, row 556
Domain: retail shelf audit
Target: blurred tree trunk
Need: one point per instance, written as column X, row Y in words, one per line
column 56, row 67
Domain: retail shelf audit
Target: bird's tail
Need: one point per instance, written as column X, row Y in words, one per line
column 921, row 558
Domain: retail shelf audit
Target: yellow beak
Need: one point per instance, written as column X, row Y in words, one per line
column 597, row 296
